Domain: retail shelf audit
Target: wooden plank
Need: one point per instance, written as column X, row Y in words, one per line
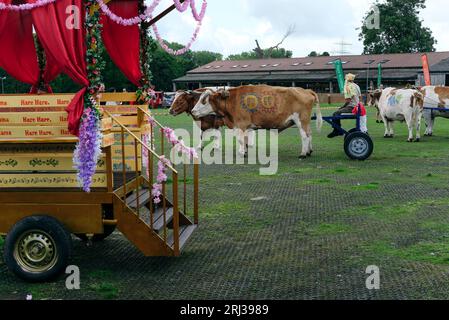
column 129, row 140
column 33, row 118
column 118, row 96
column 130, row 164
column 129, row 151
column 34, row 132
column 42, row 162
column 124, row 109
column 77, row 218
column 108, row 140
column 48, row 180
column 37, row 103
column 127, row 120
column 106, row 124
column 42, row 197
column 38, row 148
column 43, row 119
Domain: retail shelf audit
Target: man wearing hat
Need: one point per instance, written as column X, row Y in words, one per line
column 352, row 94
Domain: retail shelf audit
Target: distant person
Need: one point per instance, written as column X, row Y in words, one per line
column 353, row 96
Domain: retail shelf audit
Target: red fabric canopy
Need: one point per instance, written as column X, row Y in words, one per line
column 3, row 15
column 18, row 54
column 123, row 42
column 66, row 47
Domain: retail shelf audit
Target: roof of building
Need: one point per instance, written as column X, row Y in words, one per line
column 311, row 76
column 442, row 66
column 350, row 62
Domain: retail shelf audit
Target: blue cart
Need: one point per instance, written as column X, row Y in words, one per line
column 357, row 144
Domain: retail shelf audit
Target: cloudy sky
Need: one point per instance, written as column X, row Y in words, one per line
column 231, row 26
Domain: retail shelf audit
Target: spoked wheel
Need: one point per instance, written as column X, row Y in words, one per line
column 37, row 249
column 358, row 146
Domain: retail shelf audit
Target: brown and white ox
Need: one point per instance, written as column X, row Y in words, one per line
column 402, row 105
column 438, row 98
column 249, row 108
column 185, row 101
column 373, row 101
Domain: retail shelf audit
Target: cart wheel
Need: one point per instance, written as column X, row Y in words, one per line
column 353, row 130
column 108, row 230
column 358, row 146
column 37, row 249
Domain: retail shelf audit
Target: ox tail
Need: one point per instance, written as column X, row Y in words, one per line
column 319, row 115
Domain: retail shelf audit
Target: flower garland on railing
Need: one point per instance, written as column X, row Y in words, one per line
column 161, row 179
column 25, row 6
column 88, row 149
column 163, row 162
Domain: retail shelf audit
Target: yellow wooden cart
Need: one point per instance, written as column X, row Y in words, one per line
column 41, row 203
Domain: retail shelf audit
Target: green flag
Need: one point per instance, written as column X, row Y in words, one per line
column 379, row 75
column 340, row 75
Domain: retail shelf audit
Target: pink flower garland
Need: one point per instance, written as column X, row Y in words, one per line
column 148, row 15
column 25, row 6
column 161, row 179
column 180, row 51
column 131, row 21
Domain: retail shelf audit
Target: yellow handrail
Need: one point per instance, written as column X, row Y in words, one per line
column 150, row 115
column 124, row 128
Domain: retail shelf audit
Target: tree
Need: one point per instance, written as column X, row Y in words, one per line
column 401, row 30
column 316, row 54
column 251, row 55
column 269, row 53
column 200, row 58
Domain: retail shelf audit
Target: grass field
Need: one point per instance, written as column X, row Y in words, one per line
column 308, row 232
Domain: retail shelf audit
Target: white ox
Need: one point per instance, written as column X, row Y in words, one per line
column 401, row 105
column 437, row 98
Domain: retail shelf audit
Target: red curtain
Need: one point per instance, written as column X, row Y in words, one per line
column 3, row 15
column 66, row 47
column 18, row 54
column 123, row 42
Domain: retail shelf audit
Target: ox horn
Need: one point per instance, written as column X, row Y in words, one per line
column 225, row 94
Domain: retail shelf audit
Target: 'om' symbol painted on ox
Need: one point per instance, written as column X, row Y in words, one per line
column 254, row 103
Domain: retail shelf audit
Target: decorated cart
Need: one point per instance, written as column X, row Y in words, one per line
column 89, row 162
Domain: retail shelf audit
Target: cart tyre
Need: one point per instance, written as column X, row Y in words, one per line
column 38, row 249
column 358, row 146
column 108, row 230
column 353, row 130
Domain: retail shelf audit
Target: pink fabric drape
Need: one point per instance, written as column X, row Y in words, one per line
column 65, row 45
column 123, row 42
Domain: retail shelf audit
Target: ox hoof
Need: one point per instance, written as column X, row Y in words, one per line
column 389, row 136
column 410, row 140
column 310, row 154
column 301, row 157
column 417, row 140
column 428, row 134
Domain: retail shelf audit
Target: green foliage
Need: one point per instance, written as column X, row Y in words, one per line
column 401, row 30
column 275, row 53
